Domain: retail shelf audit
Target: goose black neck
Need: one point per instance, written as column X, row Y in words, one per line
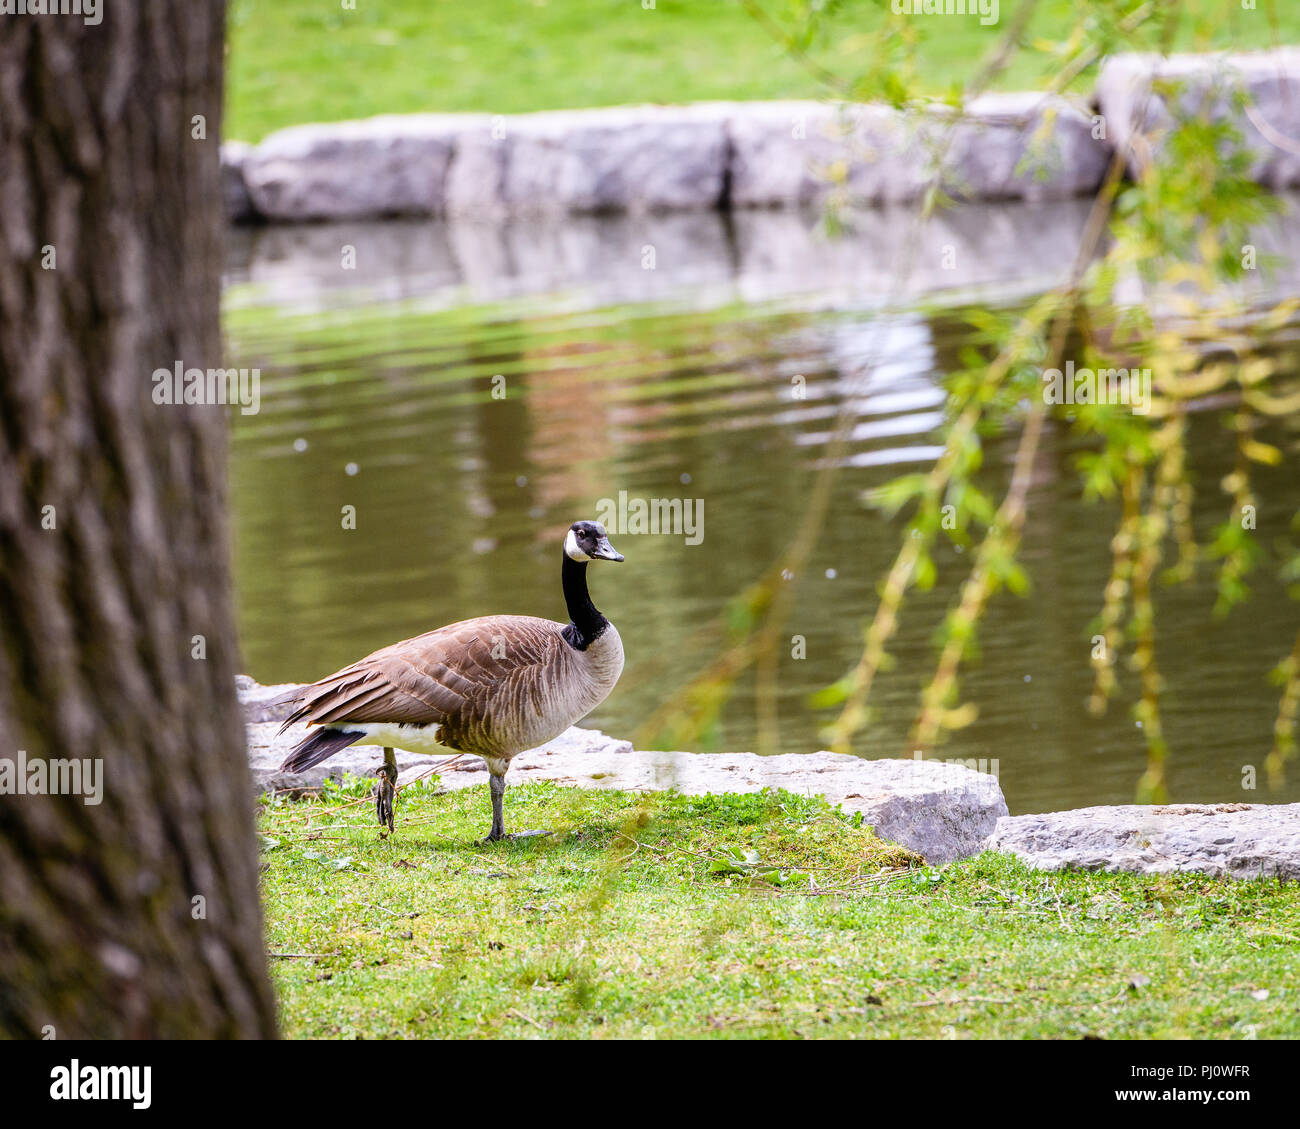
column 586, row 622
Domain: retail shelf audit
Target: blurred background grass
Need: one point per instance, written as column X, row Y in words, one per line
column 294, row 61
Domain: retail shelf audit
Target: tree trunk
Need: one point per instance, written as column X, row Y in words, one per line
column 137, row 915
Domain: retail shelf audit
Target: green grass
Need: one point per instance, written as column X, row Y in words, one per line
column 620, row 925
column 293, row 61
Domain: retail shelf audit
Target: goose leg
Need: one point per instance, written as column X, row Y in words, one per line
column 497, row 784
column 498, row 787
column 386, row 790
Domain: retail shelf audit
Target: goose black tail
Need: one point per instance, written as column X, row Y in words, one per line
column 318, row 745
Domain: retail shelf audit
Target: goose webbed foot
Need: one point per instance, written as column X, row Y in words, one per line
column 386, row 789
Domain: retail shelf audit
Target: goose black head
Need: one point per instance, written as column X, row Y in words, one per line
column 587, row 541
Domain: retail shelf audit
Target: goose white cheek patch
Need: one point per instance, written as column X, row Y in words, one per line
column 571, row 548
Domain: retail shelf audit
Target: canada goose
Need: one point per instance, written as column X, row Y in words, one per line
column 493, row 686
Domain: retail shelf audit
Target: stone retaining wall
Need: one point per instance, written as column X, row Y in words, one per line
column 711, row 155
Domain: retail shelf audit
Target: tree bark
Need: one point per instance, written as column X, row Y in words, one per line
column 137, row 916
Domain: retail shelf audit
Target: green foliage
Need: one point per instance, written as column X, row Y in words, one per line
column 1178, row 232
column 349, row 787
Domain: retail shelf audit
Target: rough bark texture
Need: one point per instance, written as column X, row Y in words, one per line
column 100, row 930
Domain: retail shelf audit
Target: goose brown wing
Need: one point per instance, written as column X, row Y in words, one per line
column 429, row 680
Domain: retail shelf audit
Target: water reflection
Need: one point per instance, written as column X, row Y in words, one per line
column 472, row 391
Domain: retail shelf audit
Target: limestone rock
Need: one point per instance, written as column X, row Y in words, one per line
column 384, row 166
column 239, row 205
column 1007, row 146
column 617, row 159
column 1024, row 146
column 1208, row 89
column 936, row 809
column 267, row 749
column 256, row 699
column 1224, row 840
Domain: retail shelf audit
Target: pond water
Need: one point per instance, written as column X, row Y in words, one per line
column 658, row 357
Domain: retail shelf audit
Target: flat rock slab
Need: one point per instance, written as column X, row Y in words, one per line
column 392, row 165
column 234, row 187
column 1141, row 96
column 267, row 749
column 613, row 159
column 931, row 807
column 1223, row 840
column 1013, row 146
column 942, row 811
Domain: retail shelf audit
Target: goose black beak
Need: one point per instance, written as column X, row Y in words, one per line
column 604, row 551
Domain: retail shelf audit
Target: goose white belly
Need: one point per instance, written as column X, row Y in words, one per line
column 419, row 739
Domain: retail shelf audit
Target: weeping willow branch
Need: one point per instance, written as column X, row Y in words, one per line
column 1151, row 528
column 1001, row 542
column 684, row 715
column 1176, row 229
column 996, row 554
column 998, row 546
column 922, row 532
column 1118, row 587
column 1234, row 544
column 1284, row 743
column 1177, row 498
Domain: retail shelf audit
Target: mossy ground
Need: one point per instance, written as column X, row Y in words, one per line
column 759, row 915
